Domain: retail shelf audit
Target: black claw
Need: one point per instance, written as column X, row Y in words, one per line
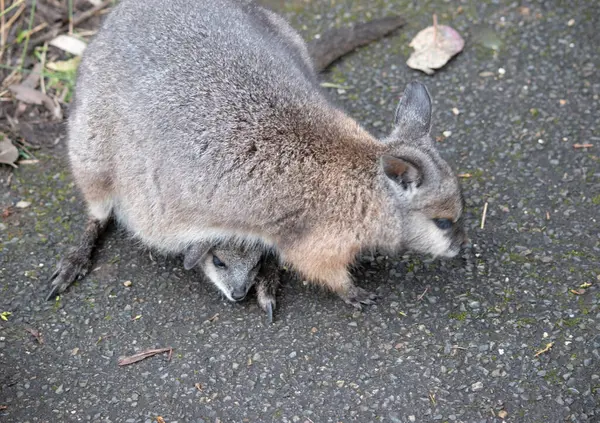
column 269, row 311
column 53, row 293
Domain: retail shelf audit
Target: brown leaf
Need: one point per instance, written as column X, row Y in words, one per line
column 502, row 414
column 33, row 79
column 3, row 407
column 579, row 291
column 36, row 334
column 142, row 355
column 31, row 96
column 198, row 386
column 434, row 47
column 8, row 152
column 159, row 419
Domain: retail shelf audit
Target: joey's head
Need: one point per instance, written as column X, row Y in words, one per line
column 424, row 194
column 231, row 268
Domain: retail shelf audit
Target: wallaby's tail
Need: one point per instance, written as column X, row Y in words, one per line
column 336, row 43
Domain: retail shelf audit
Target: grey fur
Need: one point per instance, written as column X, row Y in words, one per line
column 203, row 122
column 235, row 272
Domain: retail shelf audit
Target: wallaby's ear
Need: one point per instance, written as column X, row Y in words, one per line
column 194, row 254
column 401, row 171
column 413, row 114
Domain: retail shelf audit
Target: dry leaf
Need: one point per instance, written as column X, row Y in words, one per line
column 198, row 386
column 142, row 355
column 8, row 153
column 502, row 414
column 33, row 79
column 69, row 44
column 64, row 65
column 30, row 96
column 36, row 334
column 434, row 46
column 464, row 175
column 579, row 291
column 3, row 407
column 159, row 419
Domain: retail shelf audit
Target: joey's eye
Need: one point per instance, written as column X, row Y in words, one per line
column 443, row 223
column 217, row 262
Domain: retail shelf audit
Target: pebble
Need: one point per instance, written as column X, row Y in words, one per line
column 477, row 386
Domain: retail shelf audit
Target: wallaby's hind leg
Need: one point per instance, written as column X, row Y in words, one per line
column 77, row 263
column 267, row 283
column 97, row 192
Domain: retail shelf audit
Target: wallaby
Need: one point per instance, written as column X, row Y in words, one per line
column 245, row 147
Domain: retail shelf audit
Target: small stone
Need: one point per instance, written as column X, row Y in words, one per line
column 474, row 304
column 293, row 354
column 571, row 22
column 127, row 283
column 446, row 134
column 477, row 386
column 340, row 383
column 502, row 414
column 412, row 418
column 455, row 111
column 501, row 71
column 23, row 204
column 59, row 390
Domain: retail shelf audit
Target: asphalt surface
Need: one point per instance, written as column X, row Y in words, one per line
column 449, row 341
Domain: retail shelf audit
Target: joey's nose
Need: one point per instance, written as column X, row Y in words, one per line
column 238, row 295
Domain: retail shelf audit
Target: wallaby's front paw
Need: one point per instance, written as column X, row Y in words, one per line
column 356, row 297
column 71, row 268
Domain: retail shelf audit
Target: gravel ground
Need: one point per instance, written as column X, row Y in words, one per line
column 449, row 341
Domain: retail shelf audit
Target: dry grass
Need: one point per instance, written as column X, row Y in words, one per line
column 26, row 29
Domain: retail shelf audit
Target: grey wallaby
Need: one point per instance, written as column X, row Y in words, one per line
column 203, row 122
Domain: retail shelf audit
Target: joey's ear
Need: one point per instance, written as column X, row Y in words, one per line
column 413, row 114
column 401, row 171
column 194, row 254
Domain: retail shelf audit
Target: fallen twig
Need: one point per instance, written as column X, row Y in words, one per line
column 420, row 297
column 143, row 355
column 485, row 207
column 587, row 145
column 547, row 348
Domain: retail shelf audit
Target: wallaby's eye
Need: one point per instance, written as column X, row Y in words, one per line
column 217, row 262
column 443, row 223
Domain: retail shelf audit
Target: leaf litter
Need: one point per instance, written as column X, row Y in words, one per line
column 36, row 334
column 8, row 152
column 145, row 354
column 434, row 47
